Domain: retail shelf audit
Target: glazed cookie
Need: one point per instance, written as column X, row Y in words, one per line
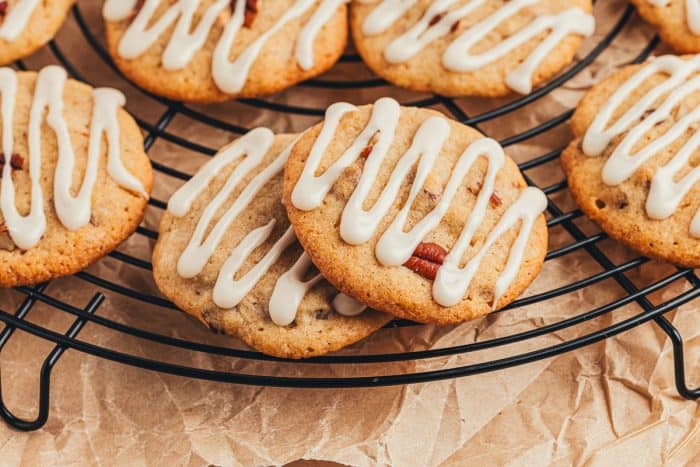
column 678, row 21
column 26, row 25
column 633, row 165
column 469, row 47
column 414, row 214
column 227, row 255
column 214, row 50
column 75, row 179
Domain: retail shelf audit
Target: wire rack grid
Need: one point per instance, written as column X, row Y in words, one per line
column 558, row 217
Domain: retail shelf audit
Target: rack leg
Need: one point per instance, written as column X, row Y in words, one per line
column 46, row 368
column 678, row 360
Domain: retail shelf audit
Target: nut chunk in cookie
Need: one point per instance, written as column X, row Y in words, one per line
column 633, row 165
column 678, row 21
column 227, row 255
column 213, row 50
column 75, row 180
column 414, row 214
column 26, row 25
column 469, row 47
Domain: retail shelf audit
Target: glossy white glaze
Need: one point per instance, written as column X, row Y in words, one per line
column 185, row 41
column 441, row 16
column 395, row 246
column 74, row 212
column 248, row 152
column 667, row 191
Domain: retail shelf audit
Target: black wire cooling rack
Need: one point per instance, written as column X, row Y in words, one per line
column 558, row 217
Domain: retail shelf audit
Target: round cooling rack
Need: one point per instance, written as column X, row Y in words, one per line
column 103, row 289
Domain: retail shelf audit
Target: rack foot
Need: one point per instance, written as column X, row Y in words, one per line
column 46, row 368
column 678, row 359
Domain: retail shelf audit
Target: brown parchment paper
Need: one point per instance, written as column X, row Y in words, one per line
column 612, row 403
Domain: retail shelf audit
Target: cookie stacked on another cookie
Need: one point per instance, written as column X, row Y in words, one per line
column 633, row 165
column 414, row 214
column 26, row 25
column 678, row 21
column 75, row 180
column 469, row 47
column 227, row 255
column 214, row 50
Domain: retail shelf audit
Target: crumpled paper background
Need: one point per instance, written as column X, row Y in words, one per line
column 611, row 403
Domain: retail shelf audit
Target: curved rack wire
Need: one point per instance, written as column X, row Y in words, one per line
column 558, row 217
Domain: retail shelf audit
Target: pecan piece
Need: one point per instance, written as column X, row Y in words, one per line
column 366, row 151
column 431, row 252
column 370, row 145
column 422, row 267
column 427, row 259
column 16, row 161
column 251, row 12
column 436, row 19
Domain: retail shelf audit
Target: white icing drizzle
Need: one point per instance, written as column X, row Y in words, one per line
column 348, row 306
column 291, row 289
column 249, row 150
column 457, row 56
column 17, row 19
column 692, row 11
column 73, row 211
column 665, row 194
column 395, row 246
column 307, row 36
column 229, row 76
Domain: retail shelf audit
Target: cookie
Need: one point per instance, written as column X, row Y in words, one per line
column 414, row 214
column 633, row 164
column 214, row 50
column 75, row 179
column 678, row 21
column 26, row 25
column 227, row 255
column 469, row 47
